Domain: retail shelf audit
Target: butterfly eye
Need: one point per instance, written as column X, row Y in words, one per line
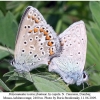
column 12, row 62
column 84, row 75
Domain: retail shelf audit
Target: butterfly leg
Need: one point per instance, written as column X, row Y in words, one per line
column 83, row 85
column 87, row 84
column 57, row 79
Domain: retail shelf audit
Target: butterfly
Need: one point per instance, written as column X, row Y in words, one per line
column 70, row 64
column 36, row 42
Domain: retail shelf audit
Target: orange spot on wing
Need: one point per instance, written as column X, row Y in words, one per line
column 51, row 51
column 45, row 32
column 29, row 16
column 50, row 43
column 33, row 18
column 48, row 37
column 36, row 21
column 30, row 31
column 35, row 30
column 41, row 30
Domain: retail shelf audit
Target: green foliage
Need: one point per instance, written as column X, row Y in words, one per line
column 8, row 29
column 4, row 85
column 93, row 52
column 59, row 15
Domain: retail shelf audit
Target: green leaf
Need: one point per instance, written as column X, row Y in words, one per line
column 3, row 6
column 91, row 89
column 92, row 45
column 1, row 14
column 94, row 6
column 5, row 52
column 58, row 27
column 18, row 84
column 8, row 74
column 41, row 84
column 4, row 85
column 94, row 77
column 44, row 85
column 7, row 34
column 95, row 33
column 14, row 76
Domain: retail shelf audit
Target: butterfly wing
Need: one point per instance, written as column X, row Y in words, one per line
column 36, row 40
column 71, row 62
column 74, row 45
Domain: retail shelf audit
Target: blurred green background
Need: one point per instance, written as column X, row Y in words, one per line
column 59, row 14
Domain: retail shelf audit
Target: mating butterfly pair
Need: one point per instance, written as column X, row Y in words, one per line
column 37, row 43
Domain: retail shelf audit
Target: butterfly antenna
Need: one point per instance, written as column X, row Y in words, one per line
column 90, row 66
column 93, row 70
